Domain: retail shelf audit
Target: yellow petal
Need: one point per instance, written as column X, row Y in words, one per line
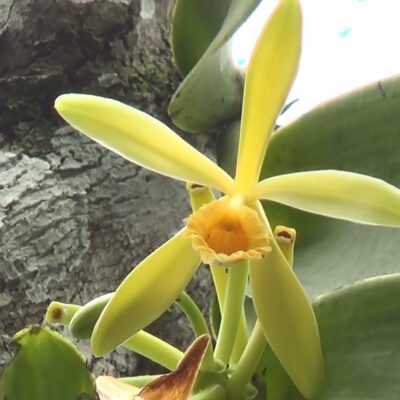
column 140, row 138
column 287, row 320
column 146, row 293
column 269, row 77
column 336, row 194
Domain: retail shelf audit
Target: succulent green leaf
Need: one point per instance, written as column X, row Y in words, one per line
column 360, row 333
column 194, row 26
column 214, row 77
column 357, row 132
column 46, row 366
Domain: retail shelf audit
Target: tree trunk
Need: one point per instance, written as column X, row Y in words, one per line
column 74, row 217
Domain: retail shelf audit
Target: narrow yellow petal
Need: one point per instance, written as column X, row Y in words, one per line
column 336, row 194
column 287, row 320
column 140, row 138
column 146, row 293
column 269, row 77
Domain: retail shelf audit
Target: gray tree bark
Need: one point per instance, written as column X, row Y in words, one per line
column 74, row 217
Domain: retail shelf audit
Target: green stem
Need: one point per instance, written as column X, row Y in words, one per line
column 193, row 313
column 199, row 326
column 247, row 364
column 216, row 392
column 220, row 277
column 232, row 310
column 155, row 349
column 240, row 340
column 139, row 381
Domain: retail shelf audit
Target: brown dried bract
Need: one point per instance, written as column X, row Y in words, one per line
column 178, row 384
column 174, row 386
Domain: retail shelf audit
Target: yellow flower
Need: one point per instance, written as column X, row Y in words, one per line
column 282, row 307
column 226, row 231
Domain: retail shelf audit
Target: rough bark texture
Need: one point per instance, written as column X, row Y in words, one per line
column 75, row 218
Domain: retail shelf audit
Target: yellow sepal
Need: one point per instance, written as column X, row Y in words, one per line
column 269, row 76
column 336, row 194
column 145, row 293
column 140, row 138
column 287, row 320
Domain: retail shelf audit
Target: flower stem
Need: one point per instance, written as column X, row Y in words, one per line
column 219, row 276
column 193, row 313
column 247, row 364
column 199, row 326
column 139, row 381
column 231, row 311
column 216, row 392
column 155, row 349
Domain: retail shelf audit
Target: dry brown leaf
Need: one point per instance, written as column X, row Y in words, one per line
column 178, row 384
column 174, row 386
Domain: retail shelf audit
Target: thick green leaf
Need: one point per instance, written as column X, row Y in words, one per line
column 212, row 91
column 46, row 366
column 358, row 132
column 360, row 333
column 195, row 24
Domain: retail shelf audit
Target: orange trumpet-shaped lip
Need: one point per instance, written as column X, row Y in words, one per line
column 224, row 231
column 227, row 235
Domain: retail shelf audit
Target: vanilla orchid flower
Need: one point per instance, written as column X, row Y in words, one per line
column 235, row 227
